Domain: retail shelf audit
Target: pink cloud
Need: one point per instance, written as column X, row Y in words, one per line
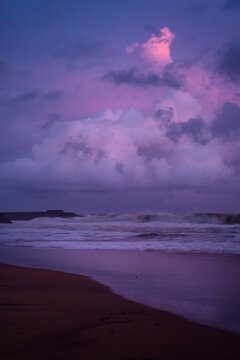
column 119, row 150
column 182, row 104
column 131, row 48
column 157, row 49
column 207, row 87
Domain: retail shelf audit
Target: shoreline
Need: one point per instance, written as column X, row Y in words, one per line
column 52, row 314
column 203, row 289
column 185, row 253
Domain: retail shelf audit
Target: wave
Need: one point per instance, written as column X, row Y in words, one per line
column 226, row 219
column 161, row 217
column 211, row 218
column 221, row 218
column 200, row 232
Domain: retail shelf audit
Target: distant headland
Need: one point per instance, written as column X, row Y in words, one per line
column 7, row 217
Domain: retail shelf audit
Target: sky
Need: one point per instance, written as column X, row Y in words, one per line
column 112, row 106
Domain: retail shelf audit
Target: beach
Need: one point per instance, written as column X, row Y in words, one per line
column 55, row 315
column 120, row 287
column 204, row 288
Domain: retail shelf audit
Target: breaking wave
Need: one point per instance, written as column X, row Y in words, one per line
column 188, row 233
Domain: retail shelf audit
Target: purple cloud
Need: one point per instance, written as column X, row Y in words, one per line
column 133, row 77
column 194, row 128
column 53, row 117
column 126, row 150
column 228, row 63
column 227, row 122
column 27, row 96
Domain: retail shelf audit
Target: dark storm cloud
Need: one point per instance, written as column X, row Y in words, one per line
column 227, row 122
column 172, row 80
column 225, row 125
column 228, row 63
column 81, row 48
column 231, row 4
column 133, row 77
column 194, row 128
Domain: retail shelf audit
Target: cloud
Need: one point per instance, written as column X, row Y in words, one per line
column 195, row 128
column 231, row 4
column 227, row 122
column 179, row 105
column 133, row 77
column 27, row 96
column 157, row 49
column 81, row 48
column 228, row 62
column 127, row 150
column 225, row 126
column 53, row 117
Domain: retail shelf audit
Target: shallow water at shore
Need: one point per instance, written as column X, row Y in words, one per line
column 202, row 288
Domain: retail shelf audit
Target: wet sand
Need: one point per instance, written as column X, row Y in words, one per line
column 54, row 315
column 202, row 288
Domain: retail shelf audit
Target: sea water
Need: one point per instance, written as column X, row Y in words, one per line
column 177, row 233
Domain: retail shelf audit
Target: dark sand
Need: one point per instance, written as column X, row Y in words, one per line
column 53, row 315
column 201, row 288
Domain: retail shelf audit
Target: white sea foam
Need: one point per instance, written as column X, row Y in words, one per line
column 186, row 233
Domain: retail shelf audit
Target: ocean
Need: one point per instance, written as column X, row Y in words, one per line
column 165, row 232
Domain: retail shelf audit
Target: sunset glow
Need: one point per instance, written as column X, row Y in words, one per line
column 151, row 106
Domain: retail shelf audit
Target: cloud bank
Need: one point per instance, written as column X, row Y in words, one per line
column 171, row 148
